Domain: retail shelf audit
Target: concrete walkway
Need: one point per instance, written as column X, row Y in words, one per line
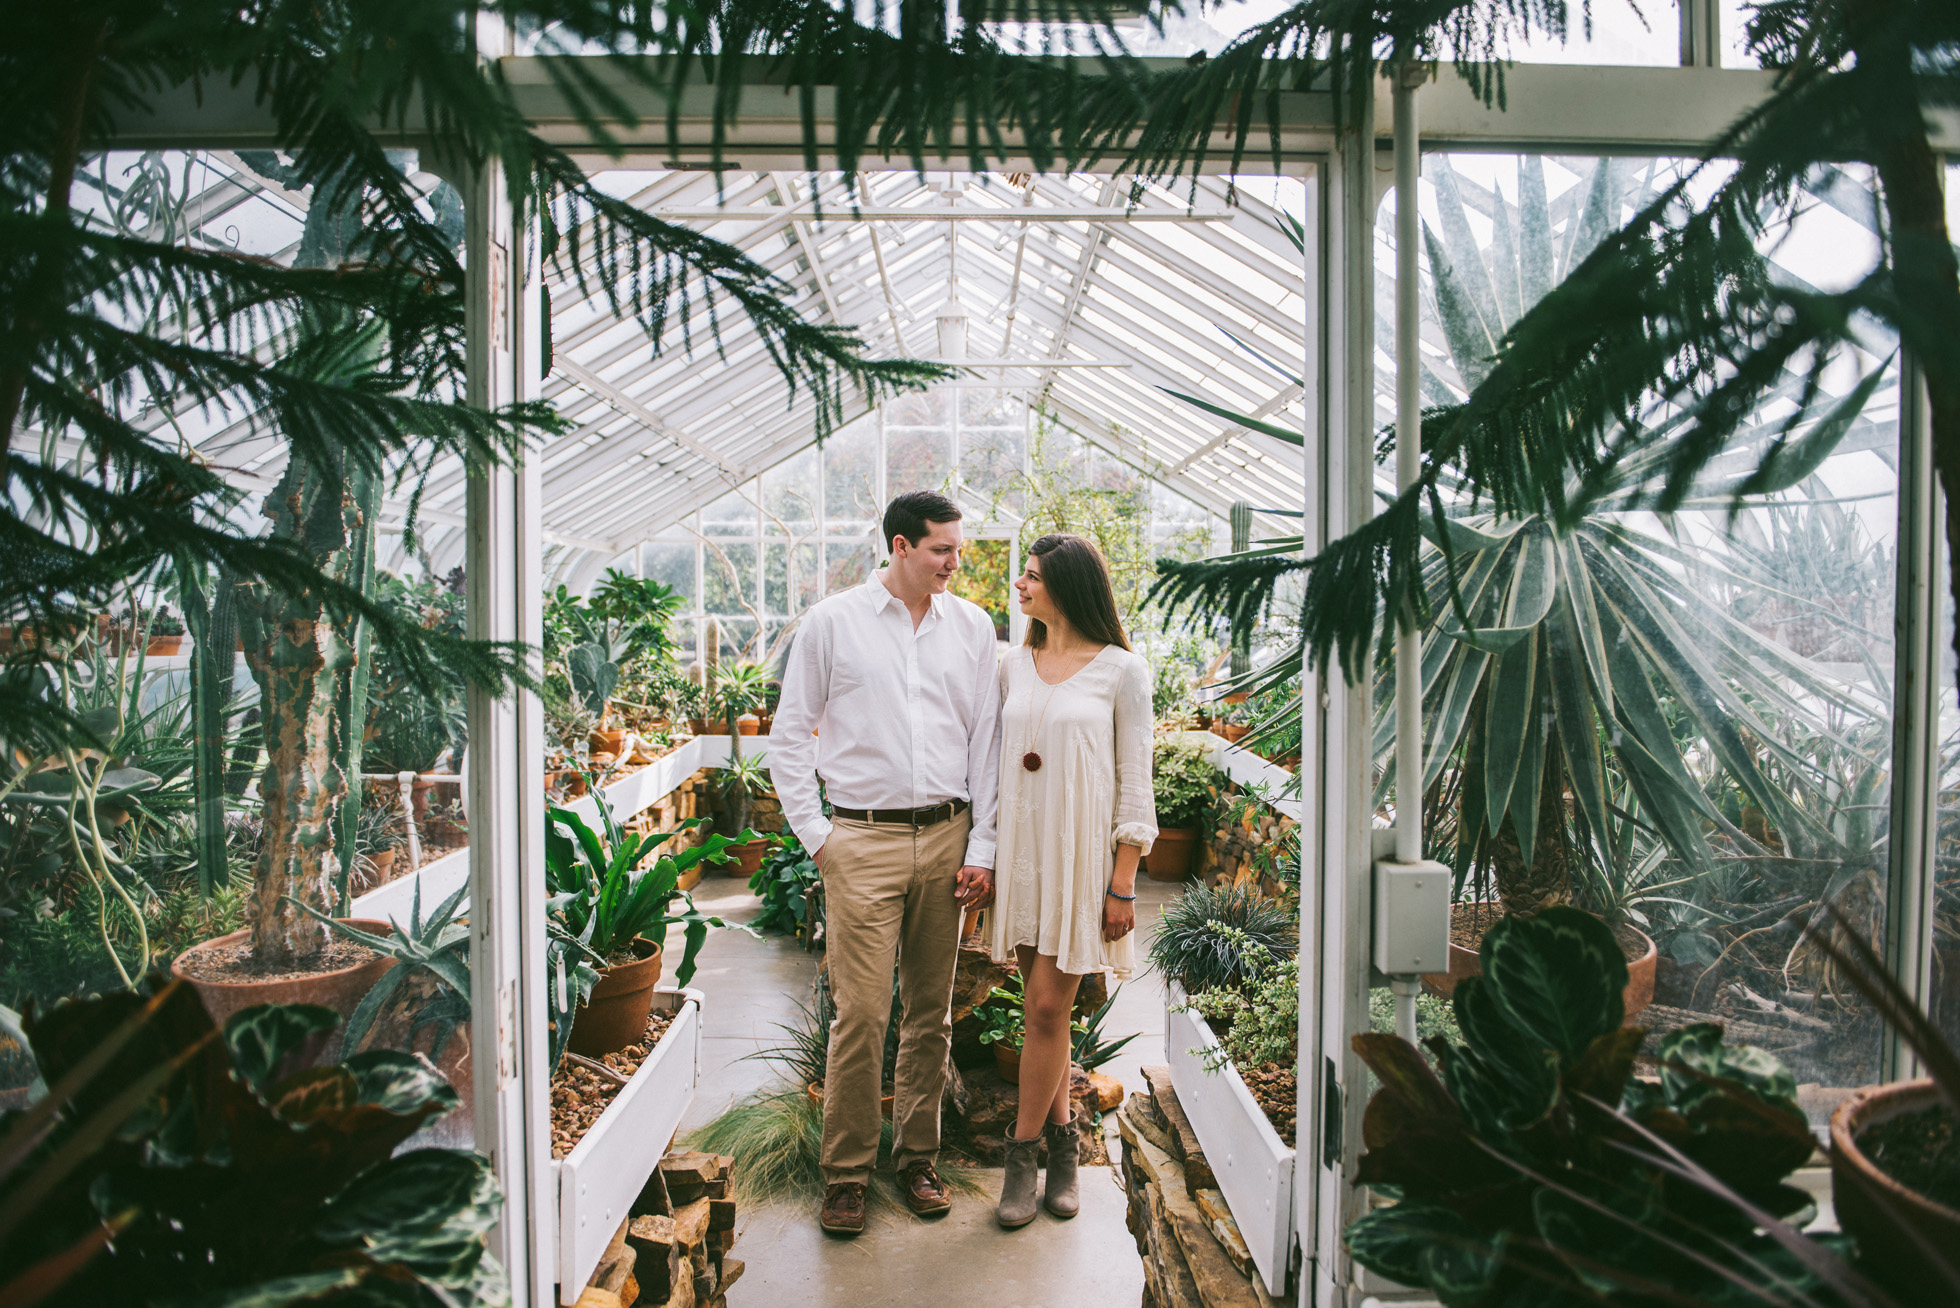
column 1091, row 1262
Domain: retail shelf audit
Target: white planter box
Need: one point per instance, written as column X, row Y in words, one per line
column 599, row 1180
column 1253, row 1165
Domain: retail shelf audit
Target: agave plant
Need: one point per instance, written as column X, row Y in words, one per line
column 1588, row 657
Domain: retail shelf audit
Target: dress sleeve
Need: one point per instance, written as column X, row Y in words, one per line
column 1136, row 802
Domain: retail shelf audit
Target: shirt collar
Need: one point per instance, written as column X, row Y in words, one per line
column 882, row 597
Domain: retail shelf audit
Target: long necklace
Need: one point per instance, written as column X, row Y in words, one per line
column 1031, row 760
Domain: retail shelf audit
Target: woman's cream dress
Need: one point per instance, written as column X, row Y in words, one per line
column 1060, row 825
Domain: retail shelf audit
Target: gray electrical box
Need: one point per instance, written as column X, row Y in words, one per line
column 1412, row 917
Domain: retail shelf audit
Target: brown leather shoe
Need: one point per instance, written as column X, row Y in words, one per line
column 925, row 1194
column 843, row 1208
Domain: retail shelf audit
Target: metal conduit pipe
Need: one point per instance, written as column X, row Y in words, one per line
column 1408, row 466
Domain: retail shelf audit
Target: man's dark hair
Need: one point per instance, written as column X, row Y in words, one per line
column 908, row 515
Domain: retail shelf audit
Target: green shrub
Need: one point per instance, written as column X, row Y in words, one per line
column 1204, row 933
column 783, row 883
column 1184, row 783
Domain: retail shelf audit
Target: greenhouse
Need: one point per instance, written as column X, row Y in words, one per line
column 453, row 461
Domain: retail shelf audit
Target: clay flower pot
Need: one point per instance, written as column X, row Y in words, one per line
column 616, row 1014
column 1895, row 1226
column 340, row 989
column 608, row 742
column 1232, row 731
column 1170, row 854
column 418, row 797
column 748, row 856
column 1007, row 1062
column 1466, row 962
column 163, row 645
column 748, row 724
column 815, row 1091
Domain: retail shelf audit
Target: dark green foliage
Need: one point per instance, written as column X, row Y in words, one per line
column 103, row 309
column 439, row 946
column 184, row 1166
column 1184, row 783
column 1535, row 1168
column 1204, row 934
column 603, row 896
column 1678, row 310
column 1088, row 1048
column 783, row 882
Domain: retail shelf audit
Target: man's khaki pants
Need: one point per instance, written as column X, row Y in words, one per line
column 888, row 901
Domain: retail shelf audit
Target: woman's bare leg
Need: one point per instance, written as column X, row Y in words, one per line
column 1045, row 1048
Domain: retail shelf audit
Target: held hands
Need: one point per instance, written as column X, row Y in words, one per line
column 1119, row 917
column 974, row 887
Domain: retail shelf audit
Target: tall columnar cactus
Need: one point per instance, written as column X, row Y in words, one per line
column 305, row 659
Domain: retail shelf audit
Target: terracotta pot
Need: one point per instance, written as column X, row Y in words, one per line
column 418, row 798
column 339, row 990
column 767, row 720
column 1007, row 1062
column 611, row 742
column 1467, row 962
column 1238, row 697
column 748, row 724
column 748, row 855
column 616, row 1014
column 1232, row 731
column 1170, row 854
column 380, row 871
column 815, row 1091
column 1890, row 1221
column 163, row 646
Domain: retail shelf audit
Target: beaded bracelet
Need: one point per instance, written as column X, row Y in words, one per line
column 1113, row 895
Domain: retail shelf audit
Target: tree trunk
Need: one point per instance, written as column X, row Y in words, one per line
column 1527, row 886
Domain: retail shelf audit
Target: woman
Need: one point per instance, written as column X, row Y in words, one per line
column 1076, row 814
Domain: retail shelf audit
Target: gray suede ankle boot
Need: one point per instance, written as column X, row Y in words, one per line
column 1017, row 1202
column 1063, row 1198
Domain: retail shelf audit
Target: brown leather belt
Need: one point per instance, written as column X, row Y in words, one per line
column 914, row 817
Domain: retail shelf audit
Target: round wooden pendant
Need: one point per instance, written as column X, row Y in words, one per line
column 1031, row 761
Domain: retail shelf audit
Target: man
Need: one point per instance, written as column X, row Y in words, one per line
column 897, row 679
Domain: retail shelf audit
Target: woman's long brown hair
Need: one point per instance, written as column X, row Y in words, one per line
column 1077, row 579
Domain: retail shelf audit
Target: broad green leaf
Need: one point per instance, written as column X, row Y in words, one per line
column 1609, row 1252
column 1557, row 976
column 1509, row 720
column 1250, row 423
column 1504, row 1079
column 1693, row 1061
column 407, row 1205
column 260, row 1037
column 1575, row 714
column 312, row 1095
column 398, row 1082
column 1429, row 1245
column 1787, row 463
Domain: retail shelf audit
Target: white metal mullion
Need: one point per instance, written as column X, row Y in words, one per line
column 1112, row 191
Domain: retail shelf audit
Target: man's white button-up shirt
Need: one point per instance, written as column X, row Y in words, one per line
column 902, row 718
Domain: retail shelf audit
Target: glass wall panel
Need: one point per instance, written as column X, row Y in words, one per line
column 917, row 459
column 847, row 565
column 1723, row 771
column 850, row 478
column 1944, row 929
column 790, row 494
column 732, row 515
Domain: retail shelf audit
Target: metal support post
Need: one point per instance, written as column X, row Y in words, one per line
column 503, row 573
